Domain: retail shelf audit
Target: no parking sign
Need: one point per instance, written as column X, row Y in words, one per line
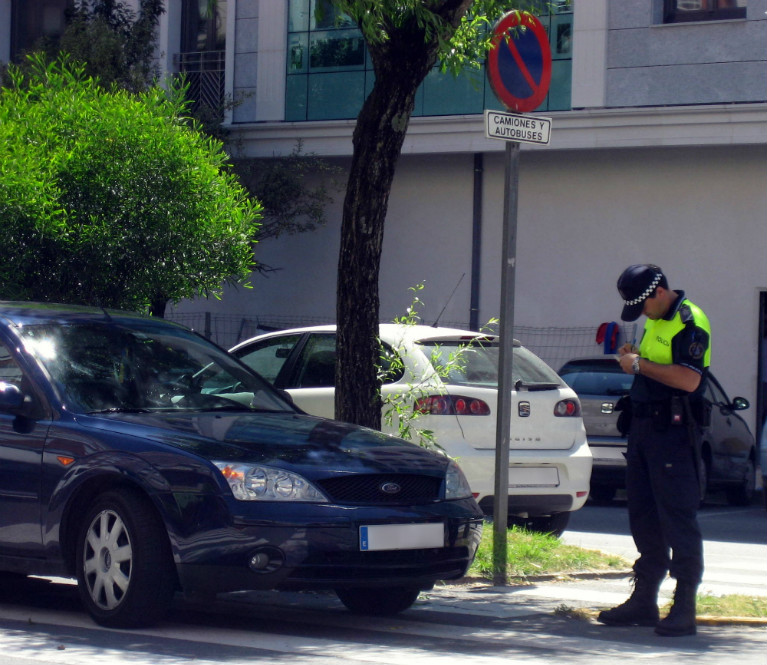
column 519, row 64
column 519, row 70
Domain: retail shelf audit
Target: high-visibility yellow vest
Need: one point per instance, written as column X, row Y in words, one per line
column 656, row 344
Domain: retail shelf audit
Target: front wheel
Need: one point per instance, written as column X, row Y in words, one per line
column 125, row 571
column 378, row 602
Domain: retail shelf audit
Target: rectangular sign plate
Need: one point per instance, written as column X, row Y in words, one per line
column 537, row 476
column 401, row 536
column 517, row 127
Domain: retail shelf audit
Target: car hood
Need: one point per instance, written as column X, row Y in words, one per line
column 278, row 439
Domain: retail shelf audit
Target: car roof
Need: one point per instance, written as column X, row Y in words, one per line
column 397, row 332
column 18, row 311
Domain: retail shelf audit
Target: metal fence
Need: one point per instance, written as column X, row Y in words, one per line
column 555, row 345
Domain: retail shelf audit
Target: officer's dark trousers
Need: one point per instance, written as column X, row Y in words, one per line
column 663, row 497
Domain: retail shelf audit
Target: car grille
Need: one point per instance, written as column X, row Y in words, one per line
column 372, row 488
column 438, row 563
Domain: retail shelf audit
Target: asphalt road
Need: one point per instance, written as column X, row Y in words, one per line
column 42, row 622
column 735, row 542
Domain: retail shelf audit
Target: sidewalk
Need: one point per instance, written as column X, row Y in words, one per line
column 580, row 595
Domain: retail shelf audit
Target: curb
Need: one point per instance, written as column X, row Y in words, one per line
column 701, row 620
column 522, row 580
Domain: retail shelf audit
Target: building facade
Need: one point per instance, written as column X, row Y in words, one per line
column 658, row 153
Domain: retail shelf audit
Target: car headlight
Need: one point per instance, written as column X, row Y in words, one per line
column 264, row 483
column 456, row 485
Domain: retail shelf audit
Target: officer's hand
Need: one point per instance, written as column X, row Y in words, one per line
column 627, row 348
column 626, row 360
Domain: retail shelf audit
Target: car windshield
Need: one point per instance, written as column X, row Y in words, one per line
column 477, row 365
column 597, row 378
column 140, row 365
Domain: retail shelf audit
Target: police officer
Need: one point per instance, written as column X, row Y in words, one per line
column 662, row 486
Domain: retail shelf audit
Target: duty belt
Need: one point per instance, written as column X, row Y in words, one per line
column 648, row 409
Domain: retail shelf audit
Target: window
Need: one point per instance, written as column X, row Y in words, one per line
column 10, row 372
column 204, row 25
column 203, row 45
column 329, row 71
column 35, row 21
column 316, row 368
column 268, row 356
column 679, row 11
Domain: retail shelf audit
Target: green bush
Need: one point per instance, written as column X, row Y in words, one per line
column 113, row 199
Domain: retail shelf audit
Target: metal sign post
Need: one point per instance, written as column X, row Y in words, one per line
column 505, row 381
column 519, row 70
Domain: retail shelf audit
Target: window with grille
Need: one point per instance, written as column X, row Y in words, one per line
column 202, row 57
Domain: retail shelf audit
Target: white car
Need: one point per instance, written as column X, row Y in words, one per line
column 549, row 459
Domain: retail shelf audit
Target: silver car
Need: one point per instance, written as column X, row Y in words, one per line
column 728, row 451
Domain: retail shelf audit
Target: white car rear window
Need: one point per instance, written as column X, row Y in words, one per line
column 477, row 364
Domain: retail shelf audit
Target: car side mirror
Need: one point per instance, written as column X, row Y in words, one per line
column 739, row 404
column 11, row 397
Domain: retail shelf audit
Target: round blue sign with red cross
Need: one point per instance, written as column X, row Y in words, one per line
column 519, row 62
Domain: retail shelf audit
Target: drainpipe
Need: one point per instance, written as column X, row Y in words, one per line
column 476, row 242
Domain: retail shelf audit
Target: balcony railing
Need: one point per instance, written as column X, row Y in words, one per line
column 204, row 72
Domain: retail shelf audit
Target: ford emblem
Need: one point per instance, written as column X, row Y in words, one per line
column 390, row 488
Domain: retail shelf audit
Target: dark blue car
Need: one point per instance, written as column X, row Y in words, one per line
column 143, row 460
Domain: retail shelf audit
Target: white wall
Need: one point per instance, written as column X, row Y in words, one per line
column 699, row 213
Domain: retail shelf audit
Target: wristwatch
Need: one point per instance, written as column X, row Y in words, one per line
column 635, row 365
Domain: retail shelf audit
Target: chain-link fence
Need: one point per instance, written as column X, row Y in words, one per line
column 555, row 345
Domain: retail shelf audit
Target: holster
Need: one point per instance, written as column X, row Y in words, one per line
column 623, row 406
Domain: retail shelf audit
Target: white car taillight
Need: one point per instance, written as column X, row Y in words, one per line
column 567, row 408
column 451, row 405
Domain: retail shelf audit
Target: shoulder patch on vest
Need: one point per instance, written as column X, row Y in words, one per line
column 685, row 313
column 696, row 350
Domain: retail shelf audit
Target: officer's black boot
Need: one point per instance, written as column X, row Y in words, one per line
column 681, row 617
column 641, row 609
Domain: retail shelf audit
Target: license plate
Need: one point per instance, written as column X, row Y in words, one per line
column 401, row 536
column 526, row 476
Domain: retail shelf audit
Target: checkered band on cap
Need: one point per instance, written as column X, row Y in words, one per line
column 646, row 293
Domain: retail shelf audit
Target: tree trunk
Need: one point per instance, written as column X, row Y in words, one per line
column 157, row 307
column 400, row 64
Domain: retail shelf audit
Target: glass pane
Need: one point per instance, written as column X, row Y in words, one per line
column 704, row 10
column 268, row 356
column 445, row 94
column 295, row 98
column 391, row 366
column 693, row 5
column 335, row 96
column 205, row 24
column 316, row 368
column 298, row 50
column 558, row 98
column 561, row 36
column 298, row 15
column 10, row 372
column 34, row 20
column 325, row 16
column 339, row 49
